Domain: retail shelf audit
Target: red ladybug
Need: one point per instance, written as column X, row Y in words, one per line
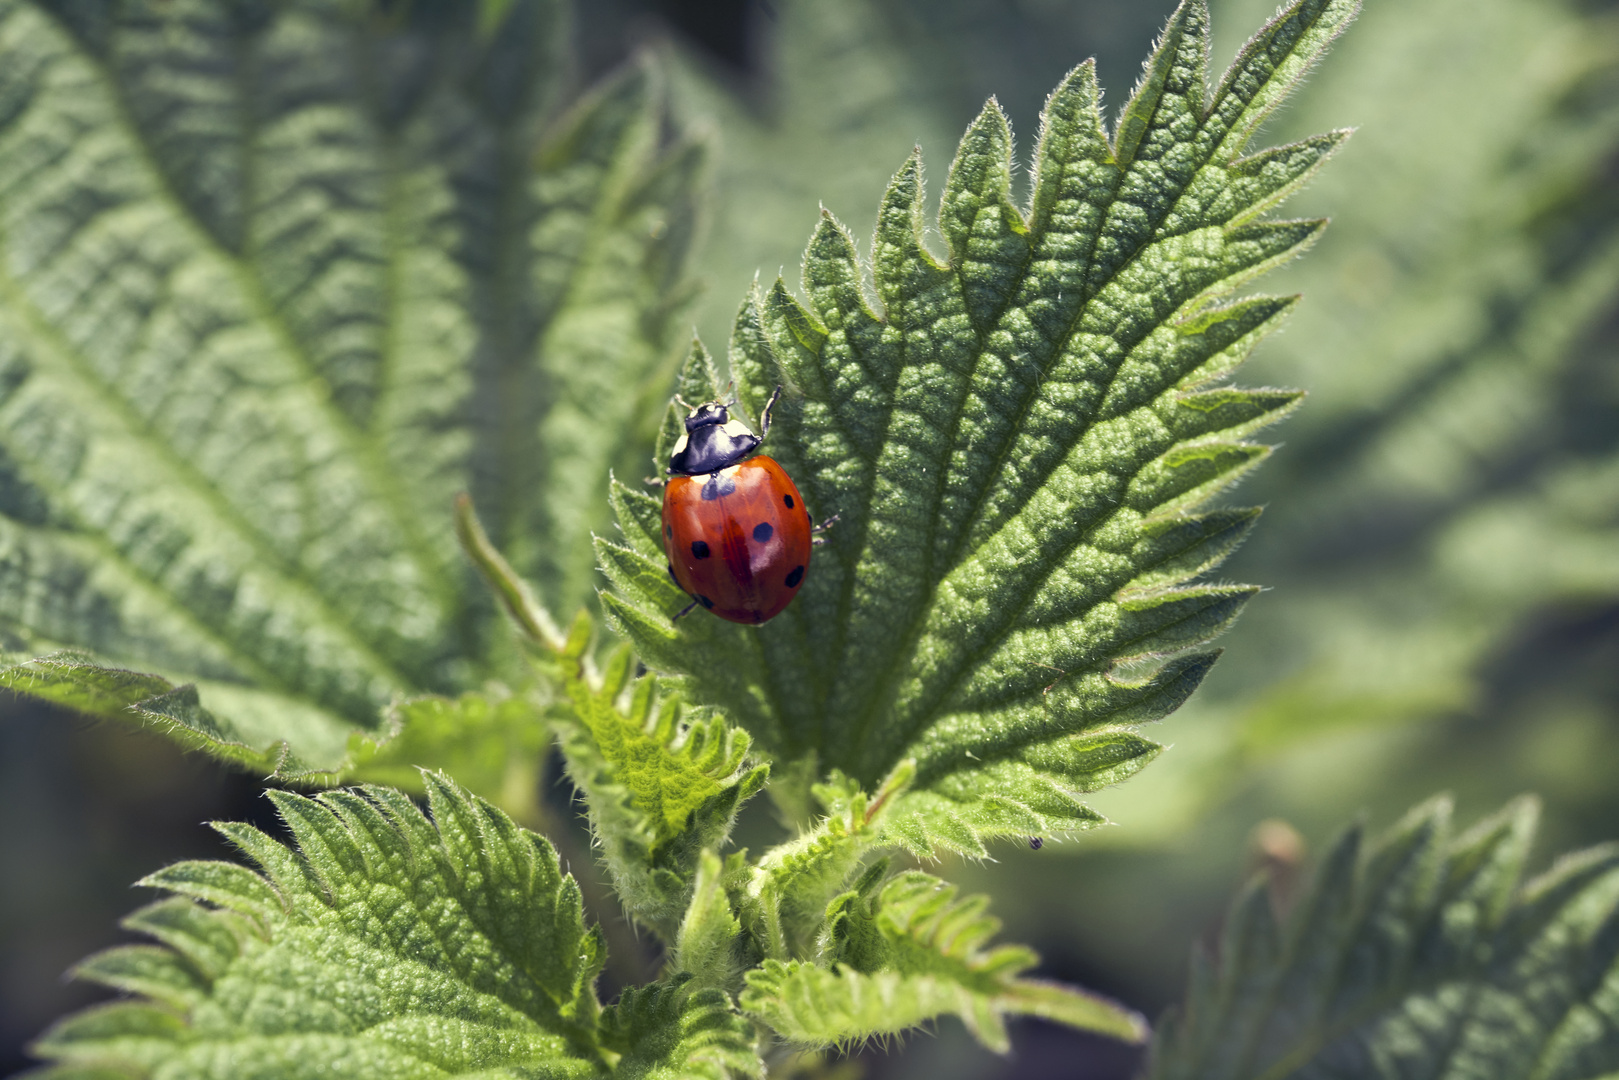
column 735, row 528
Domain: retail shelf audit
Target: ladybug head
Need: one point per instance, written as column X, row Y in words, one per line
column 707, row 414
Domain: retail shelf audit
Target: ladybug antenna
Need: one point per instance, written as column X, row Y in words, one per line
column 730, row 394
column 683, row 404
column 764, row 414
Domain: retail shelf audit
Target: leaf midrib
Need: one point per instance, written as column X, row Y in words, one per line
column 565, row 1031
column 243, row 269
column 840, row 642
column 1321, row 1034
column 49, row 342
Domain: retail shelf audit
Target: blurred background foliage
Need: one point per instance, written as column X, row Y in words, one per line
column 1442, row 538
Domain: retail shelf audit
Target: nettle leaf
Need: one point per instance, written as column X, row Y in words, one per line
column 385, row 944
column 710, row 947
column 671, row 1031
column 261, row 731
column 1020, row 443
column 276, row 281
column 1417, row 955
column 784, row 902
column 662, row 783
column 906, row 955
column 1464, row 426
column 492, row 744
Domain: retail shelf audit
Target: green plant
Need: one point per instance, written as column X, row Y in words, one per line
column 232, row 463
column 279, row 281
column 1444, row 508
column 1421, row 954
column 1438, row 545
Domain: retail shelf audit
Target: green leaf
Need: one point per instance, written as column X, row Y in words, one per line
column 1019, row 443
column 385, row 944
column 492, row 745
column 259, row 736
column 1441, row 514
column 672, row 1032
column 1461, row 420
column 909, row 954
column 784, row 903
column 663, row 784
column 275, row 284
column 1417, row 955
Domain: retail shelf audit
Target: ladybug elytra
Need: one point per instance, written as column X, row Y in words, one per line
column 735, row 529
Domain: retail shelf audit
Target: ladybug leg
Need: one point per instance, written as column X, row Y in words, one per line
column 683, row 610
column 817, row 540
column 764, row 414
column 1061, row 675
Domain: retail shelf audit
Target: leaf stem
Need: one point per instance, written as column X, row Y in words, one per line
column 514, row 594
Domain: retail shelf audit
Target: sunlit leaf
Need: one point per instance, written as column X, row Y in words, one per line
column 386, row 944
column 1020, row 443
column 907, row 954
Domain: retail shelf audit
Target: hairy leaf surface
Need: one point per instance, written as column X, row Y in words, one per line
column 1417, row 955
column 906, row 955
column 386, row 944
column 784, row 902
column 276, row 281
column 671, row 1032
column 1019, row 441
column 663, row 784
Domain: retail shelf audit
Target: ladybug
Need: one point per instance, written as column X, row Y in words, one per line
column 735, row 528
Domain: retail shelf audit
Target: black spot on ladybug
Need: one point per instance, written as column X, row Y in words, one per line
column 788, row 499
column 758, row 616
column 699, row 549
column 762, row 532
column 705, row 601
column 668, row 530
column 795, row 577
column 717, row 486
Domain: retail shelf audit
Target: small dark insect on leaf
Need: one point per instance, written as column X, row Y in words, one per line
column 1035, row 843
